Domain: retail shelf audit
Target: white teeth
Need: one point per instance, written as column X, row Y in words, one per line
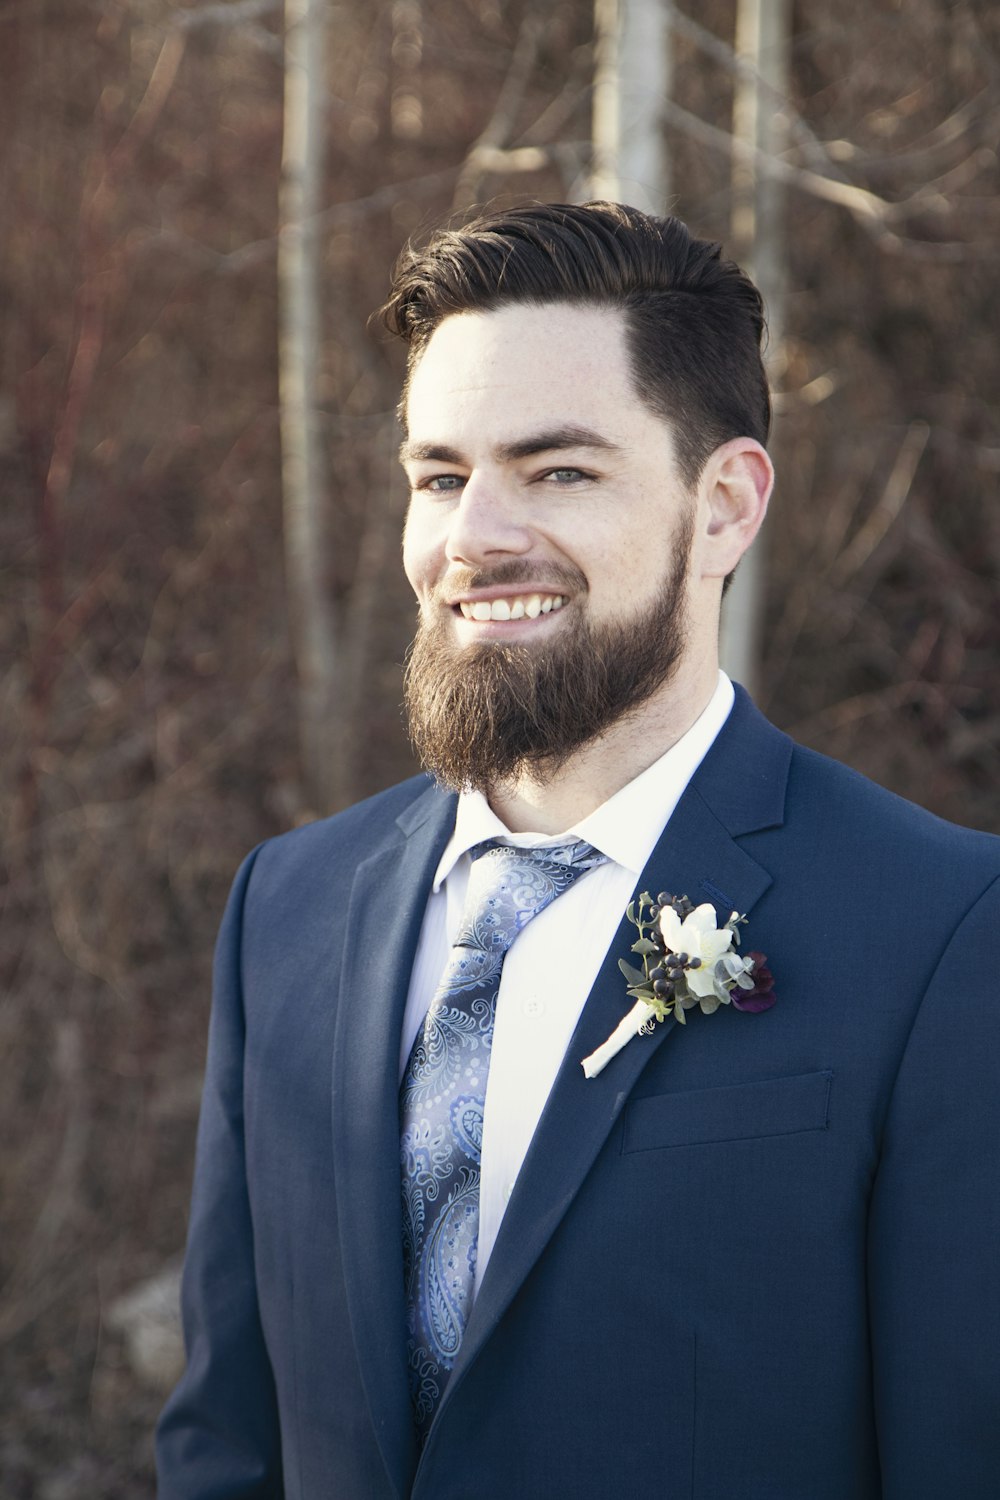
column 516, row 609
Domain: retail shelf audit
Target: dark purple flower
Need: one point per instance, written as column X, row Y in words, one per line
column 762, row 996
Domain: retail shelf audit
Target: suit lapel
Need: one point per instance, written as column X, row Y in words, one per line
column 388, row 901
column 696, row 856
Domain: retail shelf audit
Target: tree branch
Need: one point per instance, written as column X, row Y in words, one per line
column 237, row 13
column 501, row 122
column 873, row 213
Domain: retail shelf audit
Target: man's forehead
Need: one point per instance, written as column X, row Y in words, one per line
column 517, row 324
column 547, row 366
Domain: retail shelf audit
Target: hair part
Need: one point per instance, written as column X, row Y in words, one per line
column 694, row 322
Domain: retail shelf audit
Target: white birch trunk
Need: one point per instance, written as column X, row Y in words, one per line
column 757, row 241
column 305, row 496
column 631, row 82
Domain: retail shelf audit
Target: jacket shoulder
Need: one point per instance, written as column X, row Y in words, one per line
column 834, row 797
column 334, row 846
column 802, row 810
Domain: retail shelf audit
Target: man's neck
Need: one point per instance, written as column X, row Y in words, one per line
column 540, row 801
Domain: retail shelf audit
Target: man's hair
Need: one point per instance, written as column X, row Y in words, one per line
column 694, row 322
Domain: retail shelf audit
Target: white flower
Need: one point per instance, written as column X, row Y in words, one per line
column 698, row 937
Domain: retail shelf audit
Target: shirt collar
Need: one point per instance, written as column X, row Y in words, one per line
column 626, row 826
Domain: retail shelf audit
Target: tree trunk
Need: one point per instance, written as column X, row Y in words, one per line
column 305, row 491
column 631, row 81
column 758, row 243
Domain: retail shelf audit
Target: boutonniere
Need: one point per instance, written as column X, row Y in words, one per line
column 686, row 961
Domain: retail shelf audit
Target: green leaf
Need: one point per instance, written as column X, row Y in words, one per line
column 632, row 974
column 644, row 946
column 630, row 913
column 679, row 1013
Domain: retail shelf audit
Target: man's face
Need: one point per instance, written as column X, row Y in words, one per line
column 546, row 541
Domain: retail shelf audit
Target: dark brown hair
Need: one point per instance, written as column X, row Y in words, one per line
column 695, row 321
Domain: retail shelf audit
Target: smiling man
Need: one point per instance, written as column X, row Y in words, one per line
column 748, row 1252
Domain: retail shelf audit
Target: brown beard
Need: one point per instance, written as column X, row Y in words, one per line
column 481, row 715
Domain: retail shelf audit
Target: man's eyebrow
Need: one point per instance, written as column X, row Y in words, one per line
column 409, row 452
column 550, row 440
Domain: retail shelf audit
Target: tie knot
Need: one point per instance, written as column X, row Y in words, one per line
column 508, row 886
column 574, row 853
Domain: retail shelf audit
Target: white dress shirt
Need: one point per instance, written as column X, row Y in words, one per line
column 549, row 971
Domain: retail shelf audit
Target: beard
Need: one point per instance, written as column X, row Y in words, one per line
column 481, row 716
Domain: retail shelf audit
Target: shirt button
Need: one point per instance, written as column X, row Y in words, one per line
column 533, row 1006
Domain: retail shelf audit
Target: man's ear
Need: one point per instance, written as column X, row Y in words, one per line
column 736, row 484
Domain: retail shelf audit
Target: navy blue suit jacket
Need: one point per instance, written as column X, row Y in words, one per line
column 755, row 1259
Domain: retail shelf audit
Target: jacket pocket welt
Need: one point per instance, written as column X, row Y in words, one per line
column 742, row 1111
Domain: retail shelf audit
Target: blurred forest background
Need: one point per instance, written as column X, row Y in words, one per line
column 177, row 617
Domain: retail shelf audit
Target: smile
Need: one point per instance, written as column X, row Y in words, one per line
column 518, row 607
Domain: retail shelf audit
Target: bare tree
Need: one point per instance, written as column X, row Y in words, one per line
column 304, row 482
column 632, row 78
column 757, row 239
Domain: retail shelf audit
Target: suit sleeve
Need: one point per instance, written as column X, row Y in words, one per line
column 934, row 1234
column 218, row 1437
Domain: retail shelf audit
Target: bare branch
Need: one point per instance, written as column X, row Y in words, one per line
column 873, row 213
column 150, row 106
column 382, row 198
column 257, row 252
column 236, row 13
column 721, row 52
column 501, row 122
column 560, row 109
column 922, row 156
column 887, row 510
column 827, row 157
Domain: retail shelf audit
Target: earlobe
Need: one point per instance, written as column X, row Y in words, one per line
column 738, row 480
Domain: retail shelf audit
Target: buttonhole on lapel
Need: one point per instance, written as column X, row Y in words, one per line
column 720, row 898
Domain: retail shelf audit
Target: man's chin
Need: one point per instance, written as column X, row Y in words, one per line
column 541, row 634
column 486, row 712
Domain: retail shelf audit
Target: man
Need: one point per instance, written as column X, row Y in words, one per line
column 754, row 1257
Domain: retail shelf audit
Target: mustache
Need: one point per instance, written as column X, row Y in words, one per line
column 515, row 570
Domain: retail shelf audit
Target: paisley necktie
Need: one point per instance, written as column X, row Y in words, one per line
column 442, row 1100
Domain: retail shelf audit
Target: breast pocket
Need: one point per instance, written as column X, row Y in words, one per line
column 742, row 1111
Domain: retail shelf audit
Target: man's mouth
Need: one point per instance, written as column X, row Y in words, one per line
column 514, row 607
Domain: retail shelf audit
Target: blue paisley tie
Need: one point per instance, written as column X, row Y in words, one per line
column 442, row 1099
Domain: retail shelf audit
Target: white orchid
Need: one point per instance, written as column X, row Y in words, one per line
column 699, row 938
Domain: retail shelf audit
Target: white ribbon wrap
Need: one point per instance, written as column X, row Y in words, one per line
column 623, row 1033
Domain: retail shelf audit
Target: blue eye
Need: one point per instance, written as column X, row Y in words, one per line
column 440, row 484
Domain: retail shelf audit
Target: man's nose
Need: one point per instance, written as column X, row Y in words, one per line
column 486, row 523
